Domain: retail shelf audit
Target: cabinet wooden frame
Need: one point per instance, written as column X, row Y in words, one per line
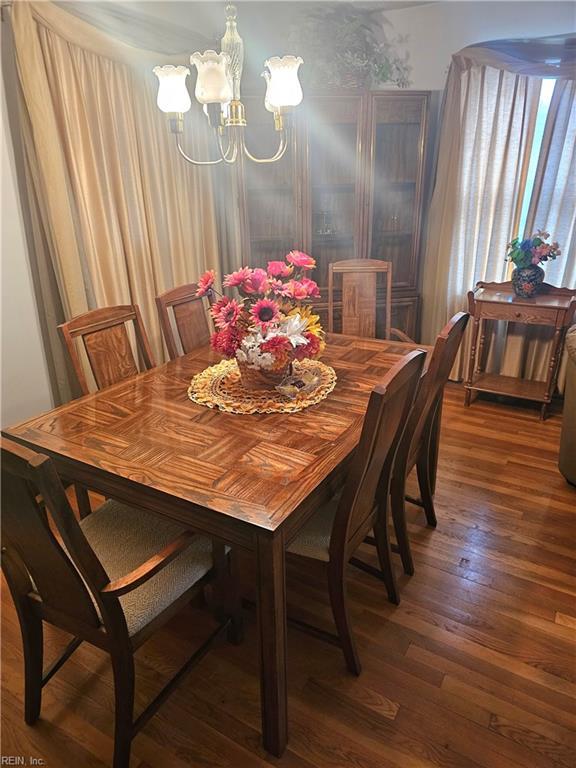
column 398, row 99
column 333, row 108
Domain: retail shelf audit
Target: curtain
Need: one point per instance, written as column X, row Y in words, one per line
column 553, row 209
column 488, row 124
column 122, row 215
column 488, row 120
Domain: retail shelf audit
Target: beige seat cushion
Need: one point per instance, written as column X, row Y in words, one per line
column 314, row 538
column 125, row 537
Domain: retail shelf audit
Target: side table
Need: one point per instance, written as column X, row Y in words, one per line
column 552, row 306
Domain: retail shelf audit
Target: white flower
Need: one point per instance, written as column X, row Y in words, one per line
column 250, row 353
column 293, row 327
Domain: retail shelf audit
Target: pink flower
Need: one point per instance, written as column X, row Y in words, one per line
column 311, row 287
column 205, row 283
column 277, row 287
column 536, row 260
column 294, row 289
column 237, row 278
column 256, row 282
column 226, row 341
column 265, row 311
column 301, row 260
column 226, row 312
column 279, row 269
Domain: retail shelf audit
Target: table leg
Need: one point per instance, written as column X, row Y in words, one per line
column 472, row 360
column 553, row 366
column 271, row 588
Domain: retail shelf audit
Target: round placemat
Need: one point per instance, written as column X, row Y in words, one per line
column 220, row 386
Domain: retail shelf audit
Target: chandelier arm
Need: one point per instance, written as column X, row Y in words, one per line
column 278, row 156
column 232, row 147
column 196, row 162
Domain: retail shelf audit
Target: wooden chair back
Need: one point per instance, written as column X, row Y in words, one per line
column 359, row 284
column 190, row 319
column 104, row 335
column 431, row 389
column 38, row 568
column 388, row 409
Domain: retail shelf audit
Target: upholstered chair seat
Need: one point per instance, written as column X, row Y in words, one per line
column 313, row 541
column 123, row 537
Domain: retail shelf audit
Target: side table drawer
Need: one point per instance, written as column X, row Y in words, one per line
column 518, row 314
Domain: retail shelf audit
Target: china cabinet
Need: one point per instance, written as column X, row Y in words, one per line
column 351, row 186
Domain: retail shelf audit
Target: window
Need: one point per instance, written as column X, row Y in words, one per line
column 543, row 107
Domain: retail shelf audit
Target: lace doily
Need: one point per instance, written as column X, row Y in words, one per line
column 220, row 386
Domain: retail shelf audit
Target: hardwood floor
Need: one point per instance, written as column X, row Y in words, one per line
column 475, row 668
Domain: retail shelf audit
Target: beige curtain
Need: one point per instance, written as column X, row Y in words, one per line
column 552, row 208
column 489, row 113
column 123, row 216
column 488, row 124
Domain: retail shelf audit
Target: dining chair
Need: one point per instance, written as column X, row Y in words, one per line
column 335, row 530
column 110, row 580
column 104, row 335
column 359, row 287
column 418, row 445
column 190, row 319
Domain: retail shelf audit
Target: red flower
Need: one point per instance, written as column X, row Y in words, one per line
column 308, row 350
column 226, row 341
column 205, row 283
column 226, row 312
column 276, row 345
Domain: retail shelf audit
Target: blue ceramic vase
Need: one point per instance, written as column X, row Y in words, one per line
column 527, row 280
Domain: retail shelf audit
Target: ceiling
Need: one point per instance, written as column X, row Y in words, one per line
column 190, row 25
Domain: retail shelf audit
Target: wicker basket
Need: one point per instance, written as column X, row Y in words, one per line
column 259, row 379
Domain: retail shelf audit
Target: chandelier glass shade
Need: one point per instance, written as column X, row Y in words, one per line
column 218, row 90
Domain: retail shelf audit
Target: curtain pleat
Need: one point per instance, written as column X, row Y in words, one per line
column 124, row 216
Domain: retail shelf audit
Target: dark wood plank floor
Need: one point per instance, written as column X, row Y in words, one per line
column 475, row 668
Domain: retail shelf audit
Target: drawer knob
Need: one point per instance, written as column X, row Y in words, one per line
column 518, row 314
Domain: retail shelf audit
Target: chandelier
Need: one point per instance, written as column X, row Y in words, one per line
column 218, row 90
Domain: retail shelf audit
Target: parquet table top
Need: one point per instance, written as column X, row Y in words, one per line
column 256, row 468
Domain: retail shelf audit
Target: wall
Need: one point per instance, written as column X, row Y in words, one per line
column 25, row 387
column 438, row 30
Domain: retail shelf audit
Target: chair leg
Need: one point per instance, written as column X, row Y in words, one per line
column 123, row 669
column 226, row 591
column 426, row 493
column 83, row 500
column 33, row 646
column 385, row 558
column 19, row 584
column 397, row 500
column 337, row 591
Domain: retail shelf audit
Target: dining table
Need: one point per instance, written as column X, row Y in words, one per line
column 251, row 481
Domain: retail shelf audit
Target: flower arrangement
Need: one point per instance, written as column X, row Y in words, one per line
column 532, row 251
column 271, row 323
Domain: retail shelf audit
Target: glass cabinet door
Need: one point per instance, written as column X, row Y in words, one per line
column 397, row 147
column 334, row 181
column 272, row 218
